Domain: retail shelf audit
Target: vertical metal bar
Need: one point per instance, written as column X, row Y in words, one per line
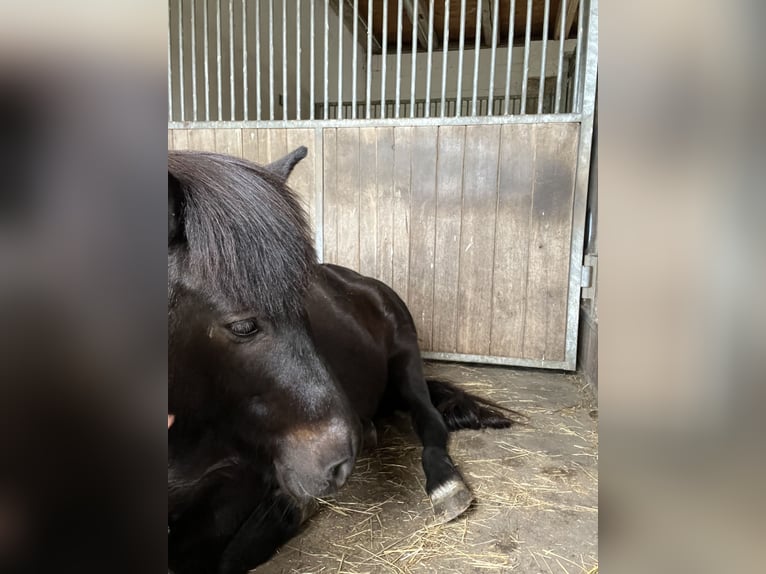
column 298, row 59
column 326, row 56
column 400, row 3
column 181, row 79
column 495, row 16
column 413, row 73
column 231, row 61
column 206, row 50
column 430, row 57
column 193, row 26
column 476, row 52
column 284, row 60
column 527, row 39
column 509, row 59
column 258, row 115
column 543, row 57
column 459, row 98
column 219, row 67
column 354, row 59
column 368, row 91
column 170, row 63
column 576, row 100
column 445, row 52
column 559, row 68
column 312, row 68
column 271, row 60
column 339, row 113
column 246, row 115
column 384, row 42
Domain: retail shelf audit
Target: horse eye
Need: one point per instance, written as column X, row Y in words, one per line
column 246, row 328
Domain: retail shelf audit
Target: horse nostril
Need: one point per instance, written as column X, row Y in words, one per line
column 340, row 471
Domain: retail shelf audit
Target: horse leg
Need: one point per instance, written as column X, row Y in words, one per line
column 445, row 487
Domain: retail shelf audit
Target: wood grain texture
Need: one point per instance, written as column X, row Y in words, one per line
column 384, row 180
column 401, row 209
column 477, row 240
column 330, row 203
column 250, row 144
column 202, row 139
column 347, row 197
column 422, row 231
column 509, row 286
column 229, row 141
column 449, row 194
column 549, row 242
column 180, row 139
column 368, row 206
column 303, row 178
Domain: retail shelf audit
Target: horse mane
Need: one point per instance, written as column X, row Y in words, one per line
column 246, row 234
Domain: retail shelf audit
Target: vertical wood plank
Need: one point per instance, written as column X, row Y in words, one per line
column 549, row 237
column 202, row 139
column 250, row 144
column 180, row 139
column 347, row 197
column 449, row 193
column 384, row 179
column 368, row 205
column 509, row 286
column 170, row 139
column 229, row 141
column 330, row 203
column 401, row 209
column 423, row 228
column 302, row 180
column 477, row 239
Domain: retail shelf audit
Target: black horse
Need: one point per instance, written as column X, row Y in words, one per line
column 277, row 367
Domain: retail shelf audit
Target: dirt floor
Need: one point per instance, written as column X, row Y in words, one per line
column 536, row 489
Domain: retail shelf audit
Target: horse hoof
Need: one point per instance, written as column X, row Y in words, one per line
column 450, row 500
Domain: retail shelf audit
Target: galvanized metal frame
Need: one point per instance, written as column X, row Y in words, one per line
column 586, row 61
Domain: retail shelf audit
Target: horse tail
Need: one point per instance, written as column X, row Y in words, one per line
column 462, row 410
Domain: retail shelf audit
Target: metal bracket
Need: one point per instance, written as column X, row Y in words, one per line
column 589, row 276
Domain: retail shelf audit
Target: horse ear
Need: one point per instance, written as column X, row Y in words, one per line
column 284, row 167
column 175, row 210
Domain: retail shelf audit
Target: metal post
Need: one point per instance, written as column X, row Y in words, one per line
column 398, row 57
column 495, row 16
column 543, row 62
column 246, row 115
column 476, row 52
column 384, row 42
column 509, row 60
column 339, row 113
column 414, row 56
column 271, row 60
column 206, row 50
column 559, row 68
column 445, row 52
column 354, row 60
column 527, row 39
column 259, row 116
column 193, row 26
column 284, row 60
column 231, row 61
column 368, row 90
column 459, row 99
column 182, row 102
column 430, row 56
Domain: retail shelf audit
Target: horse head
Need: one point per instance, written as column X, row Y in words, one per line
column 244, row 373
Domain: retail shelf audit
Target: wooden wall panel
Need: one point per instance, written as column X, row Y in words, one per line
column 401, row 209
column 384, row 179
column 368, row 206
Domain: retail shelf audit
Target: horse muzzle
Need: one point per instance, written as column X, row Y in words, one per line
column 317, row 459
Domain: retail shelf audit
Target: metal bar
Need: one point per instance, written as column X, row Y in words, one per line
column 398, row 57
column 368, row 90
column 543, row 61
column 414, row 60
column 494, row 360
column 339, row 113
column 181, row 90
column 581, row 183
column 219, row 61
column 271, row 60
column 560, row 67
column 384, row 40
column 459, row 101
column 445, row 52
column 326, row 56
column 206, row 50
column 258, row 60
column 509, row 57
column 231, row 60
column 298, row 59
column 386, row 122
column 284, row 60
column 576, row 97
column 430, row 56
column 477, row 51
column 312, row 74
column 495, row 15
column 527, row 39
column 170, row 64
column 354, row 60
column 193, row 26
column 245, row 94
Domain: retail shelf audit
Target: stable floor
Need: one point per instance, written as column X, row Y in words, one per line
column 536, row 489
